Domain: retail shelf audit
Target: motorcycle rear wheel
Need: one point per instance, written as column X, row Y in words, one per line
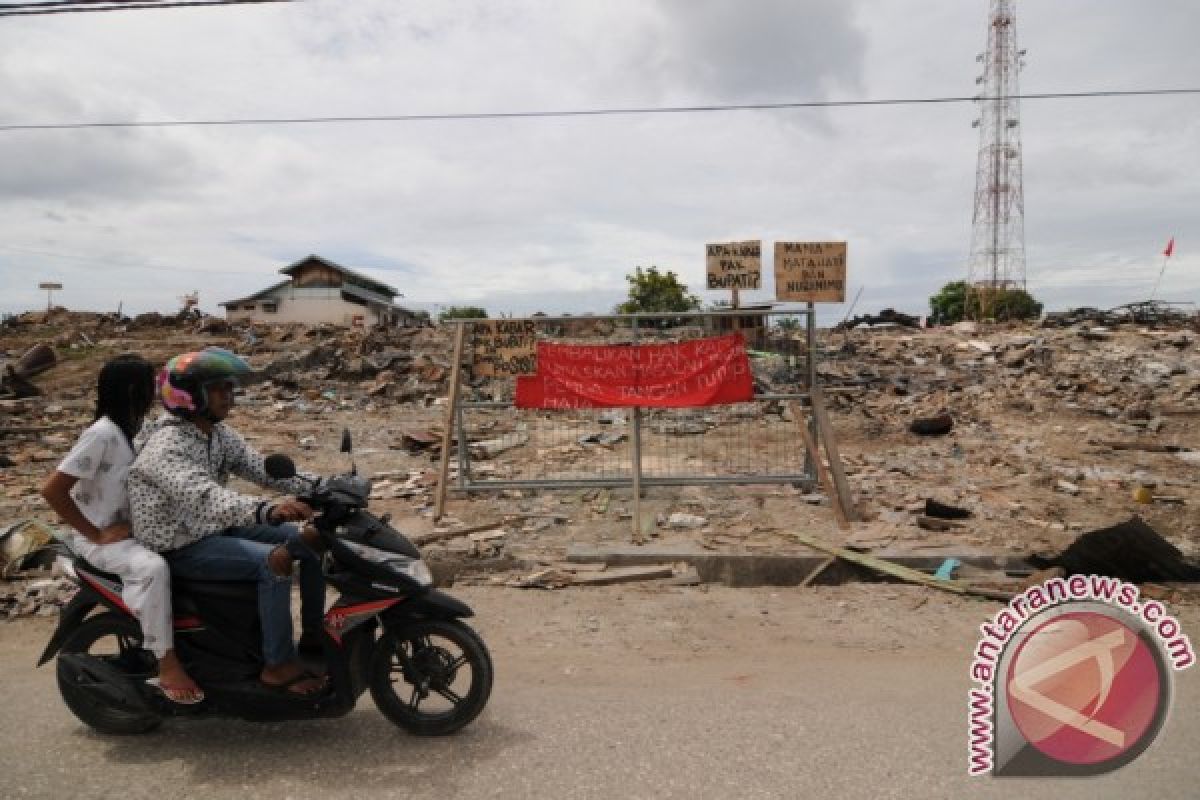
column 425, row 663
column 119, row 641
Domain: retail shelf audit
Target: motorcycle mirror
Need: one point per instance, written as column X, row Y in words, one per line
column 279, row 466
column 347, row 442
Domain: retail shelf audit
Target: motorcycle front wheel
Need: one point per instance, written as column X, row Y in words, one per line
column 431, row 677
column 118, row 641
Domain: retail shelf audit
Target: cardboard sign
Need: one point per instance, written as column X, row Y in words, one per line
column 734, row 265
column 504, row 347
column 810, row 272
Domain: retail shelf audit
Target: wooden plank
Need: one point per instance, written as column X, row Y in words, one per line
column 624, row 575
column 441, row 536
column 825, row 434
column 880, row 565
column 902, row 572
column 1146, row 447
column 439, row 505
column 814, row 455
column 812, row 576
column 1179, row 412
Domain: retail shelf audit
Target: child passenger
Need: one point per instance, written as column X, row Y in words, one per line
column 88, row 492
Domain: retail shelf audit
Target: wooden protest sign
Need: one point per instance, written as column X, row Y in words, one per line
column 504, row 347
column 811, row 272
column 734, row 265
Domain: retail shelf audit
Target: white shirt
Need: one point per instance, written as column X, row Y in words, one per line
column 100, row 460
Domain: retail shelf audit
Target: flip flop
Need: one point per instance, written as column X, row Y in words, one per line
column 286, row 686
column 179, row 695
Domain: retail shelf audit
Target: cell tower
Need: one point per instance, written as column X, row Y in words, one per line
column 998, row 226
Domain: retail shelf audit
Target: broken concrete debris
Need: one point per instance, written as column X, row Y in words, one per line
column 27, row 544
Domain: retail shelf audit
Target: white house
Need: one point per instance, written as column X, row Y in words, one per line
column 320, row 291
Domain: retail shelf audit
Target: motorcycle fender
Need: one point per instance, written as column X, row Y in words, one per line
column 434, row 604
column 102, row 680
column 69, row 618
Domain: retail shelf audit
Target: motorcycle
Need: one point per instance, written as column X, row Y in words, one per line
column 389, row 631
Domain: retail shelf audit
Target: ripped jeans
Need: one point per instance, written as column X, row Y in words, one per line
column 240, row 554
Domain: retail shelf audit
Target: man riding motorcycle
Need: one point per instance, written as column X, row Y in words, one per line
column 183, row 509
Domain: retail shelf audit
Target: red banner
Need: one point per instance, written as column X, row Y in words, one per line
column 699, row 372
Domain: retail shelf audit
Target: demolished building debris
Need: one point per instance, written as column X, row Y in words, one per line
column 1053, row 432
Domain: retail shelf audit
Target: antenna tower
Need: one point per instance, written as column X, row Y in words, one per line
column 997, row 259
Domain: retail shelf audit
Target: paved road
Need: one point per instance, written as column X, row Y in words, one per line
column 611, row 694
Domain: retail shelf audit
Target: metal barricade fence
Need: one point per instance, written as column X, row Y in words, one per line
column 745, row 443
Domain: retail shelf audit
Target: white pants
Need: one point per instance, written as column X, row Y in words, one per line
column 147, row 585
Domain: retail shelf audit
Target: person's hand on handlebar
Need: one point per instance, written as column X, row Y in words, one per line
column 289, row 509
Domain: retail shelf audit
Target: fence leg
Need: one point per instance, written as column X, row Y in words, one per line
column 810, row 375
column 448, row 425
column 639, row 536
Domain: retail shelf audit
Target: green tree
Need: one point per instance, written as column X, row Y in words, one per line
column 652, row 291
column 463, row 312
column 1014, row 304
column 949, row 305
column 954, row 303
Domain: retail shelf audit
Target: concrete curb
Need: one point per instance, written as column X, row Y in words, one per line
column 756, row 569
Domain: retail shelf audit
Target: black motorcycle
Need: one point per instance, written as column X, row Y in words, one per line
column 389, row 631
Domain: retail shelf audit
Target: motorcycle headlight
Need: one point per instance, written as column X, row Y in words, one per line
column 412, row 568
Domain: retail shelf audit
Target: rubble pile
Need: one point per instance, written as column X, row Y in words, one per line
column 1008, row 439
column 34, row 596
column 1012, row 422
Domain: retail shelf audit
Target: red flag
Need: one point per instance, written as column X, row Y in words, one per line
column 1170, row 248
column 699, row 372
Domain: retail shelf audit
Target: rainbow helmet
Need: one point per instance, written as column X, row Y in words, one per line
column 184, row 381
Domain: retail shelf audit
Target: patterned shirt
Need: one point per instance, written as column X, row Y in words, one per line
column 177, row 484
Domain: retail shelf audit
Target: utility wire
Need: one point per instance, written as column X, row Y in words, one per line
column 595, row 112
column 60, row 3
column 123, row 265
column 89, row 6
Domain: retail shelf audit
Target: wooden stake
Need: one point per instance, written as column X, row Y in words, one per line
column 439, row 504
column 814, row 456
column 825, row 434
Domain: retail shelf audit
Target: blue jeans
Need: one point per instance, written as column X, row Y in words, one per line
column 240, row 554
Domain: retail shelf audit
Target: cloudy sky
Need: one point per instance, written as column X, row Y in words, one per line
column 520, row 215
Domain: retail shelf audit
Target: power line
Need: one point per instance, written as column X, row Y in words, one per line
column 90, row 6
column 122, row 265
column 595, row 112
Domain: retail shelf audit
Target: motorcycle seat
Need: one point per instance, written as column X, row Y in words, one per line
column 231, row 590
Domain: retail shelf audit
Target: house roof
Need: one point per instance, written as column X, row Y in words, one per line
column 355, row 291
column 256, row 295
column 370, row 282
